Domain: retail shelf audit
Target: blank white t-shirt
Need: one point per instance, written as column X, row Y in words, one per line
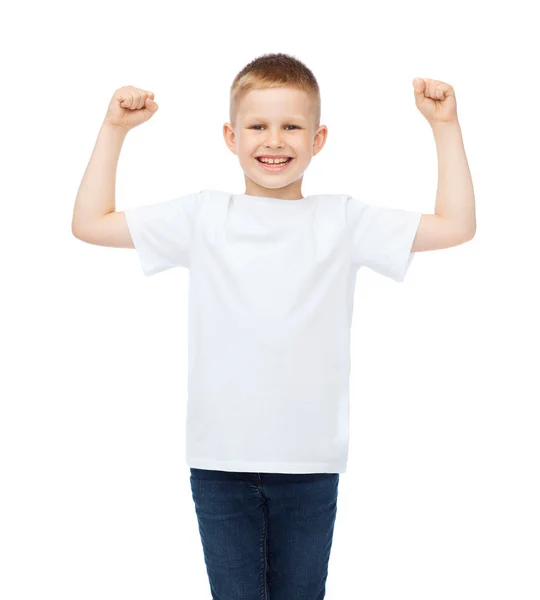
column 271, row 288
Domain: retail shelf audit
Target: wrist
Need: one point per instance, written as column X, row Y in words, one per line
column 445, row 124
column 113, row 127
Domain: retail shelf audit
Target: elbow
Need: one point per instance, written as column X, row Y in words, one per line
column 76, row 231
column 468, row 234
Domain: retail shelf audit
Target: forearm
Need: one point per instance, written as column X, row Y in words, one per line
column 455, row 192
column 95, row 197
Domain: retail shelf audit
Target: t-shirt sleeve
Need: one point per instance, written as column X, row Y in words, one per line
column 382, row 237
column 162, row 232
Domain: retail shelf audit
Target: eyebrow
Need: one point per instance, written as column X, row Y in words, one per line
column 293, row 118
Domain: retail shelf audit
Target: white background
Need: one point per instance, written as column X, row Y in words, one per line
column 440, row 499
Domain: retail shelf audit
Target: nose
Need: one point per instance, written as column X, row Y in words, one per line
column 274, row 138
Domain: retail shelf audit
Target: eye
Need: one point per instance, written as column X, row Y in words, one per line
column 295, row 126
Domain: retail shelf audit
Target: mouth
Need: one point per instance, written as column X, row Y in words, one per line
column 275, row 168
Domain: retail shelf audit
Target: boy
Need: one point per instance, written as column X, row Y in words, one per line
column 272, row 277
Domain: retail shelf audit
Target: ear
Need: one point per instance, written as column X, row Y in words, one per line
column 229, row 137
column 320, row 139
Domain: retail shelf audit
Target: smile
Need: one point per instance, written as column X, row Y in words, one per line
column 275, row 168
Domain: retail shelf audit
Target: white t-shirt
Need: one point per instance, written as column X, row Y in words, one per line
column 271, row 288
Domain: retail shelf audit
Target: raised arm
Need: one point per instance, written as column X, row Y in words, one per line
column 95, row 219
column 96, row 196
column 454, row 221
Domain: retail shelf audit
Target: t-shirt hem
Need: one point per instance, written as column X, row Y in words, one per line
column 244, row 466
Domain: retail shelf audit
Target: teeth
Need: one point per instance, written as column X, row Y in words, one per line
column 273, row 161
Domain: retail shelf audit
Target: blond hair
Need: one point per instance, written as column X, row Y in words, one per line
column 273, row 71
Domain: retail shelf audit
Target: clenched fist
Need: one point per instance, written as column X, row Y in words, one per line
column 129, row 107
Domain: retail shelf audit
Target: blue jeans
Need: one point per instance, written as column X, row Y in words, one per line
column 265, row 536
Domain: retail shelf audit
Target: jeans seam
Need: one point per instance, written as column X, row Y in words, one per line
column 265, row 539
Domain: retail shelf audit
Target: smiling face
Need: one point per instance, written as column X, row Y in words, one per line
column 275, row 122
